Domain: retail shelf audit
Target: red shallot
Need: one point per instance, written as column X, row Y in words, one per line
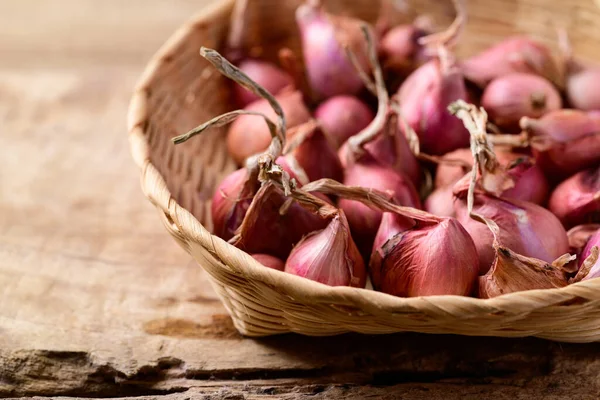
column 514, row 54
column 577, row 199
column 343, row 116
column 510, row 97
column 324, row 39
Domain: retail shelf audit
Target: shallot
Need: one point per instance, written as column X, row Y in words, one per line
column 514, row 54
column 329, row 256
column 324, row 39
column 248, row 135
column 267, row 229
column 564, row 141
column 343, row 116
column 428, row 258
column 577, row 199
column 510, row 97
column 400, row 49
column 266, row 74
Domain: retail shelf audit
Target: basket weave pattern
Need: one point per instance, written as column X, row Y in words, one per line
column 179, row 90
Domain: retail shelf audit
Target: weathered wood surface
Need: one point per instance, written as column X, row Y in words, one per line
column 97, row 300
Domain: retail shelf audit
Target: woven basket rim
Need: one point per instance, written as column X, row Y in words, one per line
column 185, row 226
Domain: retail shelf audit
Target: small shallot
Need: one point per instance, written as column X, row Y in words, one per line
column 343, row 116
column 329, row 256
column 266, row 74
column 564, row 141
column 530, row 184
column 577, row 199
column 324, row 39
column 230, row 203
column 436, row 258
column 510, row 97
column 440, row 202
column 400, row 49
column 525, row 228
column 249, row 135
column 452, row 167
column 514, row 54
column 424, row 97
column 579, row 236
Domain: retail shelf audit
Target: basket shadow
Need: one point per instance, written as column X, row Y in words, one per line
column 409, row 357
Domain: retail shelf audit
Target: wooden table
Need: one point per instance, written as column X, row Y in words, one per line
column 97, row 300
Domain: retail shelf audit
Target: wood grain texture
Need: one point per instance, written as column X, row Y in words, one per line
column 97, row 300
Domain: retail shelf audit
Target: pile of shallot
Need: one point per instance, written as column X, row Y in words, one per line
column 472, row 177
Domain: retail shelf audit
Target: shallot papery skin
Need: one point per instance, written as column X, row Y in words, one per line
column 424, row 98
column 424, row 260
column 329, row 256
column 512, row 272
column 266, row 74
column 269, row 261
column 595, row 271
column 343, row 116
column 249, row 135
column 525, row 228
column 514, row 54
column 571, row 141
column 364, row 221
column 323, row 37
column 266, row 230
column 579, row 237
column 577, row 199
column 510, row 97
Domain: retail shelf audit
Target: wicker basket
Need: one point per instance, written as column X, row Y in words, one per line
column 179, row 89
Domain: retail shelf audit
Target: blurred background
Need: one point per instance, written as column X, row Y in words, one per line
column 82, row 32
